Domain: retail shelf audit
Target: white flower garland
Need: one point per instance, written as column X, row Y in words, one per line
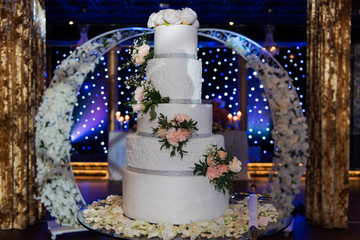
column 57, row 187
column 290, row 129
column 56, row 183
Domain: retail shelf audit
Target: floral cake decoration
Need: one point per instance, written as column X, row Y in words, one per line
column 185, row 16
column 220, row 167
column 145, row 97
column 174, row 134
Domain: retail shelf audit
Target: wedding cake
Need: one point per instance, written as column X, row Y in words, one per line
column 159, row 186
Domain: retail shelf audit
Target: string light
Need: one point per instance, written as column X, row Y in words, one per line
column 89, row 132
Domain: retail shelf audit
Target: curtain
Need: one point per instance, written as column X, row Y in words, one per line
column 22, row 74
column 328, row 93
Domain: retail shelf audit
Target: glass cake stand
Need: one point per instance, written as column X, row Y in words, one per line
column 283, row 221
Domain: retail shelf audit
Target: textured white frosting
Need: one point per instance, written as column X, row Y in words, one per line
column 171, row 199
column 176, row 39
column 202, row 113
column 177, row 78
column 144, row 152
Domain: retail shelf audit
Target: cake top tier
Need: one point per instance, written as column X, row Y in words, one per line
column 168, row 17
column 176, row 41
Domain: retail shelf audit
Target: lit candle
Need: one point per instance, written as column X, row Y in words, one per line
column 235, row 119
column 230, row 117
column 239, row 114
column 117, row 114
column 127, row 118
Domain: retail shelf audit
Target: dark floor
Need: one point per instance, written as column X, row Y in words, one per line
column 302, row 229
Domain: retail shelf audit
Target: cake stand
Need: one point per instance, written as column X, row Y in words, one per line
column 284, row 220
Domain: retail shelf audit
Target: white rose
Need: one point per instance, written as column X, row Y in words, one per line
column 172, row 16
column 139, row 60
column 139, row 94
column 151, row 21
column 138, row 107
column 188, row 16
column 158, row 19
column 235, row 165
column 144, row 50
column 162, row 133
column 196, row 24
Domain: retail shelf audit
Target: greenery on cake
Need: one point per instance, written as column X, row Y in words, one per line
column 174, row 134
column 220, row 167
column 145, row 97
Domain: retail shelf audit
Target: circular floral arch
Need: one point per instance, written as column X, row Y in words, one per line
column 58, row 190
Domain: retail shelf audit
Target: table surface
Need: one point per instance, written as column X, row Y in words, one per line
column 284, row 220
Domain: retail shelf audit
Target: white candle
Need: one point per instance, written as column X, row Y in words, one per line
column 230, row 117
column 117, row 114
column 239, row 114
column 253, row 215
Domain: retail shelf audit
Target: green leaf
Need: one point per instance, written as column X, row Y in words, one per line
column 152, row 112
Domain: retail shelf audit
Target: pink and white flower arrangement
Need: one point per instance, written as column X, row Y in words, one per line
column 141, row 52
column 168, row 17
column 145, row 97
column 174, row 134
column 220, row 167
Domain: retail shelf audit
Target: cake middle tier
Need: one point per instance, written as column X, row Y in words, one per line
column 143, row 154
column 201, row 113
column 177, row 78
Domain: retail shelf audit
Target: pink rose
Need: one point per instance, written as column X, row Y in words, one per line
column 138, row 107
column 172, row 137
column 175, row 136
column 162, row 133
column 210, row 160
column 139, row 94
column 222, row 168
column 180, row 135
column 180, row 117
column 235, row 165
column 222, row 155
column 212, row 172
column 263, row 221
column 186, row 133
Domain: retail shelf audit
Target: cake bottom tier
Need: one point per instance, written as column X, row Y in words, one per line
column 171, row 199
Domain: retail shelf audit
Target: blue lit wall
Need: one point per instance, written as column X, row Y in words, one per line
column 220, row 74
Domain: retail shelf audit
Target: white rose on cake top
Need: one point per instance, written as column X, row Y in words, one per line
column 173, row 17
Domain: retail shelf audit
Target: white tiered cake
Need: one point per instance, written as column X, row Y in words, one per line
column 157, row 187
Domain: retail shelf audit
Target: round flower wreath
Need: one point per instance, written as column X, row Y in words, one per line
column 57, row 187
